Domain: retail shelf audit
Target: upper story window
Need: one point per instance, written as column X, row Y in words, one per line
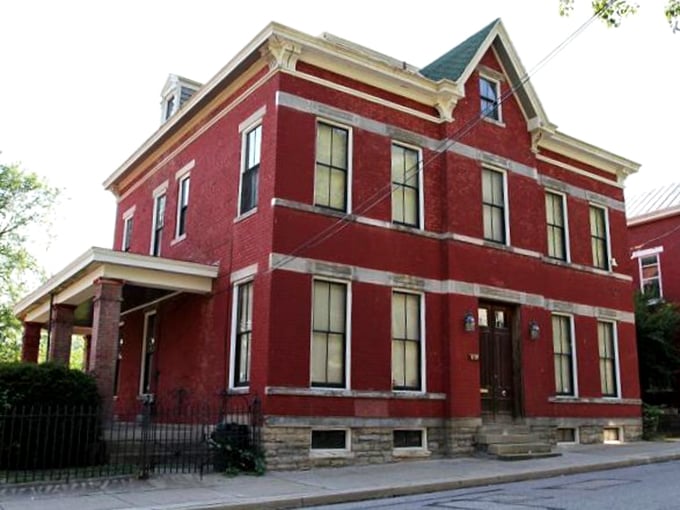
column 406, row 185
column 182, row 205
column 494, row 206
column 158, row 224
column 252, row 148
column 169, row 107
column 406, row 341
column 329, row 334
column 650, row 276
column 563, row 354
column 556, row 219
column 489, row 99
column 127, row 233
column 332, row 167
column 599, row 237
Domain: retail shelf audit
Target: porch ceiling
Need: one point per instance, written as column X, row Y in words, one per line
column 75, row 284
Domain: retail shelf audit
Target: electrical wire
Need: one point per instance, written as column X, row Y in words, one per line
column 385, row 191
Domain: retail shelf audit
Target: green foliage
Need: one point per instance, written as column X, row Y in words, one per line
column 234, row 452
column 650, row 421
column 657, row 325
column 612, row 12
column 28, row 384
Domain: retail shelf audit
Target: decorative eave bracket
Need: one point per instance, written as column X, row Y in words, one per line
column 281, row 53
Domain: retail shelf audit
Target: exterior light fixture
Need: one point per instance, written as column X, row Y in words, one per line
column 469, row 321
column 534, row 330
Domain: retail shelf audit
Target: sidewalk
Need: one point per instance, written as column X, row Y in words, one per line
column 295, row 489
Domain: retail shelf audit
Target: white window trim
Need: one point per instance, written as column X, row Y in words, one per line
column 232, row 348
column 405, row 450
column 658, row 263
column 577, row 437
column 506, row 205
column 646, row 252
column 332, row 452
column 421, row 194
column 244, row 128
column 128, row 216
column 574, row 355
column 497, row 83
column 423, row 345
column 140, row 389
column 186, row 176
column 620, row 440
column 610, row 255
column 350, row 158
column 348, row 334
column 158, row 192
column 567, row 244
column 617, row 368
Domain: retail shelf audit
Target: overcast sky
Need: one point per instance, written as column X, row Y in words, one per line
column 80, row 81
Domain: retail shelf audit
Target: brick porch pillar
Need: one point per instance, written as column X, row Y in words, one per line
column 61, row 332
column 104, row 344
column 30, row 343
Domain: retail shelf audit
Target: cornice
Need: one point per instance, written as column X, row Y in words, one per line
column 653, row 216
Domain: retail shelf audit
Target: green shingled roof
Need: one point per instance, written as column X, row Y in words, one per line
column 452, row 64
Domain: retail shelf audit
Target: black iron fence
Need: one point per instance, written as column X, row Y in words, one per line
column 61, row 443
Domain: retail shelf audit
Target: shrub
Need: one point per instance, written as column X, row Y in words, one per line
column 650, row 421
column 234, row 451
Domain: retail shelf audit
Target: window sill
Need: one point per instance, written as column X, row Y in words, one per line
column 239, row 390
column 595, row 400
column 245, row 215
column 178, row 239
column 331, row 454
column 495, row 122
column 411, row 453
column 340, row 392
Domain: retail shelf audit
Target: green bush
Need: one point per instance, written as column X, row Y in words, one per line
column 650, row 421
column 49, row 417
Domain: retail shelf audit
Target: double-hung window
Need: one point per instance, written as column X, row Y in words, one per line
column 489, row 99
column 127, row 233
column 606, row 339
column 650, row 276
column 556, row 220
column 332, row 167
column 182, row 206
column 329, row 334
column 158, row 223
column 252, row 148
column 243, row 333
column 406, row 341
column 599, row 239
column 563, row 353
column 405, row 185
column 494, row 206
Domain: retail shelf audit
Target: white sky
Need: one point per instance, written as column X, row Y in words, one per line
column 80, row 81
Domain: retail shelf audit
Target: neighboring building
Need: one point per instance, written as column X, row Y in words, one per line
column 389, row 257
column 654, row 237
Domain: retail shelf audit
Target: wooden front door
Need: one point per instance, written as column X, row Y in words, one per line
column 496, row 361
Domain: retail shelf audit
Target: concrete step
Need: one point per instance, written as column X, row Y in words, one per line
column 504, row 428
column 527, row 456
column 496, row 438
column 518, row 448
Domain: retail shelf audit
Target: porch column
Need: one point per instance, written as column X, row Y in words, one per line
column 104, row 344
column 30, row 343
column 61, row 331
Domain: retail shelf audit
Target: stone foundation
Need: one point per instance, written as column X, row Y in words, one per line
column 588, row 430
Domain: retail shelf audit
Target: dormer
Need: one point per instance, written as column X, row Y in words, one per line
column 175, row 93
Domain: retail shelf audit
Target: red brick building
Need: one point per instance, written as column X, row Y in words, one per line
column 389, row 257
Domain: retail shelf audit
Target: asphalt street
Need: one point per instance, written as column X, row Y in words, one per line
column 649, row 487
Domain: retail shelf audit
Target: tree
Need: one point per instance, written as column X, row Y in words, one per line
column 612, row 12
column 657, row 325
column 25, row 204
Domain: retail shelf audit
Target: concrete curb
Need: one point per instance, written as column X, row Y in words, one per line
column 423, row 488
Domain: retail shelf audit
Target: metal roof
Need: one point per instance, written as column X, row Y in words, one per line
column 653, row 201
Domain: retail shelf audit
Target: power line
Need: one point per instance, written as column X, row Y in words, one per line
column 379, row 195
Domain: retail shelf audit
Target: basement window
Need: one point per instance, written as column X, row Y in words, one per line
column 330, row 440
column 565, row 435
column 408, row 438
column 612, row 435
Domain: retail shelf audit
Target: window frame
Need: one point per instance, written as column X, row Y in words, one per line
column 483, row 111
column 234, row 351
column 573, row 355
column 159, row 194
column 659, row 278
column 506, row 208
column 247, row 130
column 182, row 205
column 565, row 226
column 346, row 384
column 422, row 387
column 606, row 240
column 420, row 213
column 331, row 452
column 615, row 359
column 128, row 226
column 423, row 438
column 348, row 171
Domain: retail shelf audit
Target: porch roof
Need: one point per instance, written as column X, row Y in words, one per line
column 75, row 283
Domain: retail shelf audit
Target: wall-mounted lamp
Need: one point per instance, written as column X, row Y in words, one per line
column 534, row 330
column 469, row 321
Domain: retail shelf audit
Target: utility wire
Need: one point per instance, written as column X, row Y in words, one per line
column 379, row 195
